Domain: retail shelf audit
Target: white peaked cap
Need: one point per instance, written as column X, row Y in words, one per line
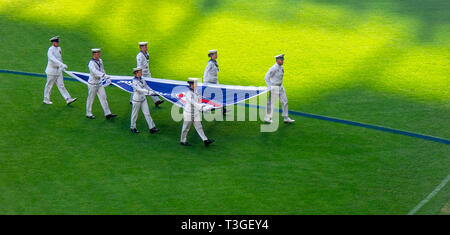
column 54, row 38
column 279, row 56
column 95, row 49
column 212, row 51
column 192, row 80
column 137, row 69
column 142, row 43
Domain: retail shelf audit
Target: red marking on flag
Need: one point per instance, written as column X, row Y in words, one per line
column 210, row 102
column 181, row 95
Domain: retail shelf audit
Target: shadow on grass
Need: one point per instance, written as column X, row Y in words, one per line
column 430, row 13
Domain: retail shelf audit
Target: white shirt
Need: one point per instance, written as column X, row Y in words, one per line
column 274, row 77
column 192, row 107
column 55, row 63
column 211, row 70
column 140, row 89
column 142, row 62
column 96, row 71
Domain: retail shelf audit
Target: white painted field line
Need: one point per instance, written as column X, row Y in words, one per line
column 431, row 195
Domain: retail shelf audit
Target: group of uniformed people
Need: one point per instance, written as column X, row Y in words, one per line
column 192, row 109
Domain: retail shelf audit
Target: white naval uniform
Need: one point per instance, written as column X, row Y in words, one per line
column 191, row 114
column 274, row 80
column 210, row 74
column 140, row 90
column 96, row 73
column 211, row 70
column 142, row 62
column 54, row 69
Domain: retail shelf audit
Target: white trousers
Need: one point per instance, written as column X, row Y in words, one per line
column 51, row 79
column 283, row 100
column 98, row 90
column 198, row 128
column 135, row 111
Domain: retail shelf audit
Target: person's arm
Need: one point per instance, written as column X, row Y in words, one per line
column 138, row 88
column 139, row 60
column 104, row 72
column 93, row 68
column 190, row 100
column 198, row 105
column 53, row 59
column 207, row 70
column 151, row 91
column 269, row 74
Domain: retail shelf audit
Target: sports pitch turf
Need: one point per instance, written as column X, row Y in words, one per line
column 380, row 62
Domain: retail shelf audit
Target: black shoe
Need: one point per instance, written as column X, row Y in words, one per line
column 154, row 130
column 131, row 102
column 91, row 117
column 134, row 130
column 158, row 103
column 109, row 116
column 208, row 142
column 185, row 143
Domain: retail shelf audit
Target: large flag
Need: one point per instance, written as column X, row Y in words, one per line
column 215, row 95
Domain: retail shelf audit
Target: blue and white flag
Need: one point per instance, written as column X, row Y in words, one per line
column 215, row 95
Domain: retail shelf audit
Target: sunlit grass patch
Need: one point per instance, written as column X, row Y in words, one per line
column 420, row 72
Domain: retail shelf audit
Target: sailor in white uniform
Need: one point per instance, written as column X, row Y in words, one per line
column 140, row 90
column 212, row 68
column 142, row 59
column 211, row 71
column 274, row 80
column 95, row 86
column 192, row 115
column 55, row 67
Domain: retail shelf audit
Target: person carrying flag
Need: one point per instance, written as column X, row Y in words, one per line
column 192, row 115
column 95, row 85
column 140, row 90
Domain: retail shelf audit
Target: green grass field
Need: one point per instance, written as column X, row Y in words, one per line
column 384, row 62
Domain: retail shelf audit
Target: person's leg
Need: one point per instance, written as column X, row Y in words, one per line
column 155, row 99
column 134, row 114
column 284, row 102
column 92, row 91
column 102, row 97
column 269, row 107
column 284, row 106
column 147, row 115
column 199, row 128
column 62, row 89
column 185, row 130
column 48, row 87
